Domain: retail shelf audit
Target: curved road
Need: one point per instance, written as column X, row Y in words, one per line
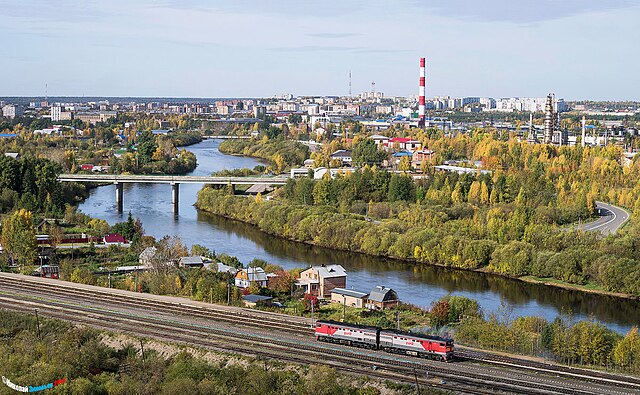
column 611, row 219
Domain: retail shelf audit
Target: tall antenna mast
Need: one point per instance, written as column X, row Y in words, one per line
column 373, row 87
column 349, row 83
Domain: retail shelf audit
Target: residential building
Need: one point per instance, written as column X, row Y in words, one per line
column 246, row 277
column 349, row 297
column 342, row 155
column 222, row 110
column 382, row 298
column 59, row 114
column 147, row 255
column 11, row 111
column 115, row 239
column 380, row 140
column 420, row 156
column 321, row 280
column 191, row 261
column 403, row 143
column 222, row 268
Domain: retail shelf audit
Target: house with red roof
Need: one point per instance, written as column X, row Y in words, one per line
column 115, row 239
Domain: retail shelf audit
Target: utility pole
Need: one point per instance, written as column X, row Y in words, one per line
column 228, row 292
column 38, row 323
column 397, row 320
column 344, row 306
column 109, row 274
column 415, row 375
column 142, row 351
column 313, row 321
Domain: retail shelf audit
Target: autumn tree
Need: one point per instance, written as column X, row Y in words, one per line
column 19, row 238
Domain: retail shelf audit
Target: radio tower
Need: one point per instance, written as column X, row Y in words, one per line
column 349, row 83
column 421, row 94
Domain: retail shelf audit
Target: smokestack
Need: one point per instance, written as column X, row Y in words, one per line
column 584, row 130
column 421, row 120
column 548, row 120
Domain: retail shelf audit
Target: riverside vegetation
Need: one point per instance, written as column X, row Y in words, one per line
column 512, row 222
column 584, row 343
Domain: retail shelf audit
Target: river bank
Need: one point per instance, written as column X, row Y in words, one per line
column 347, row 232
column 420, row 285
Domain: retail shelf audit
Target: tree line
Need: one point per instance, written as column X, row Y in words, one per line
column 515, row 221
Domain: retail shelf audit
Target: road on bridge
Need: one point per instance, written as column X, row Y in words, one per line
column 163, row 179
column 611, row 219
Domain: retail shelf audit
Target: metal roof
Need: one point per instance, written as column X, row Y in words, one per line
column 256, row 298
column 330, row 271
column 191, row 260
column 349, row 292
column 381, row 294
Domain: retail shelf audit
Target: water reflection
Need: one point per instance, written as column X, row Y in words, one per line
column 416, row 284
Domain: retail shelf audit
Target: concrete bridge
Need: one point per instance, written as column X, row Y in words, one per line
column 174, row 181
column 222, row 137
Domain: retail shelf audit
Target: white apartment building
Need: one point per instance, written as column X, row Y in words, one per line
column 11, row 111
column 58, row 113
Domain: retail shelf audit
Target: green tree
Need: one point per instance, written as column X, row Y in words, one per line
column 19, row 238
column 146, row 146
column 401, row 187
column 366, row 152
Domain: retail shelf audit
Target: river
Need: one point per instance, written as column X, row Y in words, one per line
column 420, row 285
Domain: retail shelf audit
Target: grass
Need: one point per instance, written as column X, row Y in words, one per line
column 589, row 287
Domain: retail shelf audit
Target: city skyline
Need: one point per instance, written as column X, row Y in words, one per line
column 260, row 49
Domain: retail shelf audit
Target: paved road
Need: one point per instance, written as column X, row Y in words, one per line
column 611, row 219
column 162, row 179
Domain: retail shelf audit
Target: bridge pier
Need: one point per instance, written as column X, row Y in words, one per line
column 119, row 195
column 175, row 196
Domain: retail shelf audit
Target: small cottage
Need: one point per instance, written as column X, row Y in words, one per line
column 246, row 277
column 382, row 298
column 348, row 297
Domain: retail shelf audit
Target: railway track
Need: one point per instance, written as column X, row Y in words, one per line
column 243, row 317
column 239, row 345
column 294, row 334
column 569, row 371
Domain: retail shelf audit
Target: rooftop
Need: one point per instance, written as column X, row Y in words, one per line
column 349, row 292
column 256, row 298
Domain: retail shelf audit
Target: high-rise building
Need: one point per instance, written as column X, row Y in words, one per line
column 11, row 111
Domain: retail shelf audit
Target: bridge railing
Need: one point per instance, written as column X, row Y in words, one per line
column 165, row 179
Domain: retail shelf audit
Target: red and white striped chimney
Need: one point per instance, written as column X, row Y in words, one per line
column 421, row 94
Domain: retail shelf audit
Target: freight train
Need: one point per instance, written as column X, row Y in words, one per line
column 424, row 346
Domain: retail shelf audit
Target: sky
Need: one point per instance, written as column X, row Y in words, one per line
column 578, row 49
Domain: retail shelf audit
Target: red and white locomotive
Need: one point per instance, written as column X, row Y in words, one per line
column 425, row 346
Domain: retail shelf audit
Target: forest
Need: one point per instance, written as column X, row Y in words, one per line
column 282, row 153
column 31, row 183
column 516, row 221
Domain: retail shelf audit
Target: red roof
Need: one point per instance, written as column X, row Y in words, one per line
column 114, row 238
column 399, row 140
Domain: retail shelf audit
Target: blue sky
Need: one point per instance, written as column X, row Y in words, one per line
column 580, row 49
